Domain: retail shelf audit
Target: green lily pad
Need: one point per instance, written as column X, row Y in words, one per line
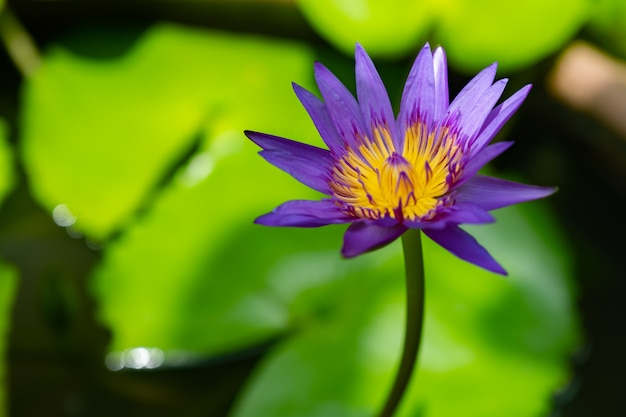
column 514, row 33
column 492, row 346
column 388, row 28
column 168, row 281
column 474, row 33
column 192, row 273
column 100, row 135
column 8, row 286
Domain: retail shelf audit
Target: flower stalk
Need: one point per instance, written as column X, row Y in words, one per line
column 414, row 271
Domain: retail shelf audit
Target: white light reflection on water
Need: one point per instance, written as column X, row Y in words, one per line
column 135, row 358
column 62, row 216
column 142, row 357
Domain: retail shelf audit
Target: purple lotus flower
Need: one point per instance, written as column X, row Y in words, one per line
column 384, row 175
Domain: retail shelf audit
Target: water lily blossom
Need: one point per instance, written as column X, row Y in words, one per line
column 384, row 175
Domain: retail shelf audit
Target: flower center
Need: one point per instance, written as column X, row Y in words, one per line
column 377, row 180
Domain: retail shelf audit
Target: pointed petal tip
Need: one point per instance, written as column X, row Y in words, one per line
column 425, row 50
column 264, row 140
column 299, row 90
column 520, row 95
column 264, row 220
column 464, row 246
column 254, row 136
column 346, row 253
column 497, row 269
column 551, row 190
column 361, row 56
column 490, row 265
column 491, row 69
column 319, row 70
column 541, row 191
column 439, row 58
column 317, row 66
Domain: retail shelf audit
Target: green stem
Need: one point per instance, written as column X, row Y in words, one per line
column 414, row 270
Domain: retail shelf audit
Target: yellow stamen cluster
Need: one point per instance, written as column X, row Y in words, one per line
column 377, row 181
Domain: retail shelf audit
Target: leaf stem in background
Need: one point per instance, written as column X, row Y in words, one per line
column 19, row 44
column 414, row 271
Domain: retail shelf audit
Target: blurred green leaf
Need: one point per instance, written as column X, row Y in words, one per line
column 6, row 163
column 514, row 33
column 189, row 275
column 8, row 286
column 385, row 28
column 474, row 33
column 342, row 358
column 192, row 274
column 492, row 346
column 99, row 135
column 608, row 25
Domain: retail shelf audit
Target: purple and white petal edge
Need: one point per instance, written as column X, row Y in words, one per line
column 498, row 117
column 372, row 95
column 473, row 119
column 418, row 97
column 442, row 96
column 470, row 94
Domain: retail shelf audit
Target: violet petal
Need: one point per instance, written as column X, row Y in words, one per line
column 372, row 95
column 463, row 213
column 418, row 97
column 498, row 117
column 308, row 164
column 304, row 213
column 474, row 118
column 319, row 114
column 343, row 109
column 469, row 95
column 463, row 245
column 482, row 158
column 491, row 193
column 364, row 235
column 442, row 97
